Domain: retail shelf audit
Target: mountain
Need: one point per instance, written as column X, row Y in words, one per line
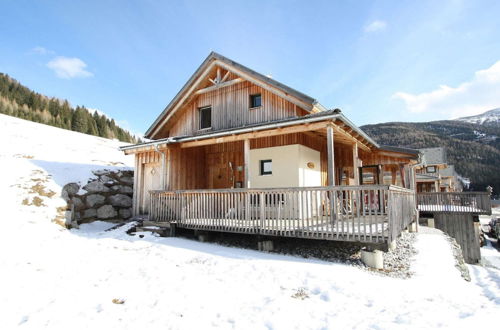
column 489, row 118
column 19, row 101
column 472, row 143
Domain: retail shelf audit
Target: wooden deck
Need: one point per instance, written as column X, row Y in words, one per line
column 371, row 213
column 475, row 203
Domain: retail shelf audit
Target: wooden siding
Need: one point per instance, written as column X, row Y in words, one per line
column 231, row 108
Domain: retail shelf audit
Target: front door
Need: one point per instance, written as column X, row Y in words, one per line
column 151, row 182
column 219, row 172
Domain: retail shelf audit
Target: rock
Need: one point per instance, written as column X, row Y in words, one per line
column 100, row 172
column 68, row 218
column 125, row 213
column 106, row 212
column 65, row 196
column 123, row 189
column 77, row 203
column 121, row 200
column 89, row 213
column 105, row 179
column 95, row 187
column 95, row 200
column 127, row 180
column 71, row 188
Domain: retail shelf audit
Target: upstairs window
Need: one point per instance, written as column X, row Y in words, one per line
column 255, row 100
column 205, row 117
column 431, row 169
column 266, row 167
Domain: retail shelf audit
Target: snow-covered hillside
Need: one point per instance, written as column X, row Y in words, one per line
column 53, row 278
column 488, row 117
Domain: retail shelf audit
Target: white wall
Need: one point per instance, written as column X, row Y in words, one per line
column 289, row 166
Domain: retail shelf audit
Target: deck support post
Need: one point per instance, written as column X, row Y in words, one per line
column 246, row 155
column 355, row 163
column 331, row 154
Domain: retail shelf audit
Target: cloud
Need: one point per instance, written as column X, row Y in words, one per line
column 42, row 51
column 375, row 26
column 69, row 67
column 472, row 97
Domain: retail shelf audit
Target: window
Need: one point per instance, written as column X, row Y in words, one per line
column 431, row 169
column 255, row 101
column 266, row 167
column 205, row 117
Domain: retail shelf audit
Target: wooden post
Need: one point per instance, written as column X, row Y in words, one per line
column 355, row 163
column 167, row 170
column 331, row 155
column 135, row 199
column 246, row 152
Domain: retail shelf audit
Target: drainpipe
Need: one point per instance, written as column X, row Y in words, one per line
column 163, row 162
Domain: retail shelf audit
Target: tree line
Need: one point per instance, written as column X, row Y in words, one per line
column 19, row 101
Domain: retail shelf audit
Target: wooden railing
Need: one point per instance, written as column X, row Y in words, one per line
column 454, row 202
column 371, row 213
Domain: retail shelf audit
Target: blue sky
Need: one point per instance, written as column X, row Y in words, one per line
column 376, row 60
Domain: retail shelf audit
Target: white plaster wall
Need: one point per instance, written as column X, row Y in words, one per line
column 289, row 167
column 309, row 177
column 285, row 161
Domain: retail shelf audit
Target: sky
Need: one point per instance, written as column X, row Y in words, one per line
column 378, row 61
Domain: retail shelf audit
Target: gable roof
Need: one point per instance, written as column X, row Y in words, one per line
column 213, row 59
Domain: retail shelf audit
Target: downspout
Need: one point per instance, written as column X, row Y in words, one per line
column 163, row 163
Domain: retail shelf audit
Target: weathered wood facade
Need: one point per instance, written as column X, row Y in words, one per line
column 205, row 146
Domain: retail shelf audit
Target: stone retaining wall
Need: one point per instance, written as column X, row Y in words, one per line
column 108, row 197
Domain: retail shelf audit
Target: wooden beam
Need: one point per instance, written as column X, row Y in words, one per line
column 355, row 163
column 246, row 160
column 255, row 135
column 331, row 155
column 217, row 86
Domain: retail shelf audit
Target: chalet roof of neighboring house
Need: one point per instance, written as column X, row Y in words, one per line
column 310, row 118
column 448, row 171
column 415, row 152
column 433, row 156
column 425, row 177
column 307, row 101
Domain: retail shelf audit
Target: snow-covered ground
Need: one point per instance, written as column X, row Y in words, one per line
column 53, row 278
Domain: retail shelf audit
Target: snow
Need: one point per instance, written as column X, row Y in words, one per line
column 53, row 278
column 447, row 208
column 491, row 116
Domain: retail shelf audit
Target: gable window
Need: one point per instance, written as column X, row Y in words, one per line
column 205, row 117
column 266, row 167
column 255, row 100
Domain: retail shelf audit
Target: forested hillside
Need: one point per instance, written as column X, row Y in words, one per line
column 19, row 101
column 473, row 148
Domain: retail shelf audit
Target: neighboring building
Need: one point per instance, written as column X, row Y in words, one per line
column 230, row 127
column 435, row 174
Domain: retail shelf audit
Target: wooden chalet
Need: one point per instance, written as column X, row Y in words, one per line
column 236, row 151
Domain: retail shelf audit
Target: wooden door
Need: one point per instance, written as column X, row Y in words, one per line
column 218, row 171
column 152, row 181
